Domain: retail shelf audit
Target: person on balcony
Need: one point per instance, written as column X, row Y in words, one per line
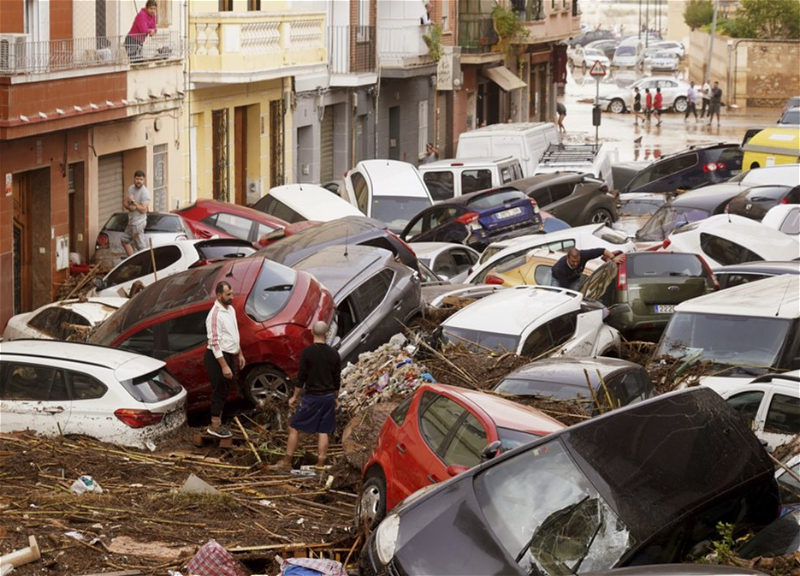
column 144, row 25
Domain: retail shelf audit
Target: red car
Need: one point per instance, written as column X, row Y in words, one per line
column 227, row 220
column 437, row 433
column 275, row 309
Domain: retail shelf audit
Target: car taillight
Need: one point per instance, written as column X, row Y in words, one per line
column 403, row 242
column 622, row 275
column 714, row 166
column 468, row 218
column 535, row 206
column 707, row 268
column 785, row 199
column 492, row 279
column 604, row 188
column 102, row 239
column 200, row 263
column 666, row 243
column 138, row 418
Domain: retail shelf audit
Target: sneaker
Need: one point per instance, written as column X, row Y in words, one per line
column 220, row 432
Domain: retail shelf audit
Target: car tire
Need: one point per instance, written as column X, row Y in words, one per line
column 601, row 216
column 680, row 104
column 371, row 505
column 264, row 383
column 617, row 106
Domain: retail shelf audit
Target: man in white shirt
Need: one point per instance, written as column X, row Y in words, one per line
column 223, row 355
column 706, row 94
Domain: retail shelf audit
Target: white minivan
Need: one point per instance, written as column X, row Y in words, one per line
column 526, row 141
column 629, row 54
column 455, row 177
column 390, row 191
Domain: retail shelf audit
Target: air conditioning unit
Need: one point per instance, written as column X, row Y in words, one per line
column 13, row 53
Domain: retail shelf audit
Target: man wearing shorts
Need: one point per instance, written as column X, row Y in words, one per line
column 137, row 203
column 320, row 375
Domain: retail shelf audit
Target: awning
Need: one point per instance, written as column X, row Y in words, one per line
column 504, row 78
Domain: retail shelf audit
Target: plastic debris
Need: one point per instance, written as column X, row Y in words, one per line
column 85, row 484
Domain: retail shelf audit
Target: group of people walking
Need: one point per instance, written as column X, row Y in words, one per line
column 653, row 103
column 652, row 106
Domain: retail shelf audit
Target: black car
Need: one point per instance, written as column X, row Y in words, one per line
column 642, row 484
column 692, row 168
column 351, row 230
column 577, row 199
column 755, row 202
column 564, row 378
column 736, row 274
column 590, row 36
column 607, row 46
column 476, row 219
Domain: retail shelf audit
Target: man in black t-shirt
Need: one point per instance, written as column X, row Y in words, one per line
column 321, row 375
column 566, row 272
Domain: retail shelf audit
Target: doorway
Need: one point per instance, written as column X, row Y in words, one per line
column 394, row 133
column 31, row 240
column 77, row 210
column 240, row 153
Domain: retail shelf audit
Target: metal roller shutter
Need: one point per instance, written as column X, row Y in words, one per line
column 326, row 146
column 109, row 187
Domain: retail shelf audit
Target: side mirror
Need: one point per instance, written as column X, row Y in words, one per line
column 491, row 451
column 620, row 308
column 99, row 283
column 337, row 341
column 455, row 470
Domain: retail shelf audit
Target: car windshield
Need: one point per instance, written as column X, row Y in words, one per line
column 152, row 388
column 593, row 52
column 666, row 220
column 396, row 211
column 490, row 251
column 639, row 206
column 661, row 264
column 625, row 51
column 480, row 340
column 271, row 291
column 724, row 339
column 791, row 117
column 547, row 514
column 549, row 388
column 664, row 55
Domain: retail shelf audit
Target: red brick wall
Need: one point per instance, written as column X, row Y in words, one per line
column 60, row 19
column 12, row 16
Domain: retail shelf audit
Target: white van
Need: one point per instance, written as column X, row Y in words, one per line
column 299, row 202
column 629, row 54
column 447, row 179
column 526, row 141
column 387, row 190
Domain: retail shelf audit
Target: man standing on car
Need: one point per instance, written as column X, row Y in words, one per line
column 568, row 270
column 320, row 375
column 137, row 203
column 223, row 356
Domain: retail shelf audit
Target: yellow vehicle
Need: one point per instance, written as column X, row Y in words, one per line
column 771, row 146
column 535, row 267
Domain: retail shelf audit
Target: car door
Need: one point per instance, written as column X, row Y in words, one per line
column 33, row 396
column 168, row 261
column 444, row 266
column 560, row 202
column 463, row 260
column 91, row 403
column 372, row 323
column 748, row 405
column 778, row 419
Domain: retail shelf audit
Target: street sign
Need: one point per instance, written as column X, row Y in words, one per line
column 597, row 69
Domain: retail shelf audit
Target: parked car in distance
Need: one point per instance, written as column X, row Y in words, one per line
column 533, row 267
column 727, row 239
column 692, row 168
column 63, row 388
column 168, row 259
column 755, row 202
column 452, row 178
column 665, row 61
column 585, row 38
column 448, row 261
column 642, row 291
column 770, row 405
column 437, row 433
column 784, row 218
column 614, row 382
column 585, row 57
column 532, row 320
column 275, row 309
column 629, row 54
column 387, row 190
column 673, row 93
column 793, row 102
column 350, row 231
column 61, row 320
column 737, row 274
column 301, row 202
column 476, row 219
column 375, row 295
column 672, row 47
column 574, row 486
column 607, row 46
column 578, row 199
column 635, row 209
column 790, row 117
column 161, row 228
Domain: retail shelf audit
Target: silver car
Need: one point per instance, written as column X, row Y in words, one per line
column 375, row 295
column 162, row 228
column 673, row 93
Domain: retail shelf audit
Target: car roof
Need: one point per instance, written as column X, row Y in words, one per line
column 514, row 310
column 336, row 266
column 215, row 206
column 760, row 238
column 466, row 162
column 533, row 240
column 90, row 308
column 778, row 297
column 508, row 127
column 392, row 175
column 531, row 183
column 570, row 370
column 773, row 268
column 314, row 202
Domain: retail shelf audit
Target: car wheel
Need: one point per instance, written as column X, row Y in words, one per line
column 264, row 383
column 680, row 104
column 601, row 216
column 371, row 506
column 617, row 106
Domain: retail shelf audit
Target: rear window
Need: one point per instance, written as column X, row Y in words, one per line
column 659, row 264
column 495, row 200
column 219, row 252
column 726, row 252
column 116, row 223
column 479, row 340
column 396, row 211
column 763, row 193
column 152, row 388
column 271, row 291
column 440, row 184
column 666, row 220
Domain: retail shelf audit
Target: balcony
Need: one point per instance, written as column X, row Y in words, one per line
column 402, row 47
column 233, row 48
column 352, row 55
column 19, row 56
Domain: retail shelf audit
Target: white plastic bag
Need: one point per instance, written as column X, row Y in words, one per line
column 85, row 484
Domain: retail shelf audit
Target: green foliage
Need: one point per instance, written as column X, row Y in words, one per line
column 434, row 42
column 508, row 26
column 768, row 19
column 698, row 13
column 724, row 549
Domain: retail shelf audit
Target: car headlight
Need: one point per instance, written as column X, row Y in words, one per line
column 386, row 538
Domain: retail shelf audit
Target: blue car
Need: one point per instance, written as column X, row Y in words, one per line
column 476, row 219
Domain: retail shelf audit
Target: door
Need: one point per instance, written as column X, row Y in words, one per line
column 33, row 397
column 326, row 147
column 110, row 187
column 240, row 153
column 394, row 133
column 370, row 327
column 219, row 146
column 21, row 247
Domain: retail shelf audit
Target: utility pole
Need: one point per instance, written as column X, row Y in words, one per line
column 711, row 41
column 647, row 23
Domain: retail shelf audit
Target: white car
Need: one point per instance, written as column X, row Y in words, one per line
column 168, row 259
column 664, row 61
column 300, row 202
column 784, row 218
column 770, row 403
column 671, row 47
column 635, row 209
column 592, row 55
column 448, row 261
column 673, row 94
column 60, row 320
column 56, row 388
column 727, row 239
column 161, row 228
column 580, row 237
column 532, row 320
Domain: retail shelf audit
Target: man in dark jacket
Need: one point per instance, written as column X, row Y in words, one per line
column 567, row 271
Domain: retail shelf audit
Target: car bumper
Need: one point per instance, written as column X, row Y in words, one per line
column 369, row 564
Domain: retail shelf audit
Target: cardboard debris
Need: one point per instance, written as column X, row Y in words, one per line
column 162, row 551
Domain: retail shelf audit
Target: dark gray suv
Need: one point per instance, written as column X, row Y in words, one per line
column 577, row 199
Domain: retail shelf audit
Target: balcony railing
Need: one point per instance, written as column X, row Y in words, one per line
column 20, row 56
column 351, row 49
column 403, row 46
column 476, row 34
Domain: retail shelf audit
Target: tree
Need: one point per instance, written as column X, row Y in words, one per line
column 698, row 13
column 778, row 19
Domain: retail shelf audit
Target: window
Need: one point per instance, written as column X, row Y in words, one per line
column 439, row 417
column 791, row 224
column 164, row 13
column 599, row 281
column 444, row 265
column 282, row 211
column 440, row 184
column 254, row 5
column 170, row 336
column 746, row 404
column 399, row 414
column 422, row 135
column 159, row 171
column 466, row 446
column 543, row 275
column 220, row 251
column 626, row 389
column 361, row 191
column 652, row 265
column 372, row 292
column 736, row 279
column 783, row 416
column 141, row 264
column 445, row 7
column 234, row 225
column 225, row 5
column 364, row 21
column 537, row 343
column 463, row 259
column 550, row 335
column 33, row 383
column 474, row 180
column 271, row 291
column 85, row 387
column 153, row 387
column 562, row 328
column 724, row 251
column 560, row 191
column 57, row 322
column 505, row 175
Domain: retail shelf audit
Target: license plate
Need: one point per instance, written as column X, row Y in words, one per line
column 509, row 213
column 665, row 308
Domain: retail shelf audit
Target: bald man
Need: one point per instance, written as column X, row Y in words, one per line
column 320, row 375
column 567, row 271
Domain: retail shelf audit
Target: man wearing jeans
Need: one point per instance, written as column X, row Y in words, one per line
column 137, row 203
column 568, row 270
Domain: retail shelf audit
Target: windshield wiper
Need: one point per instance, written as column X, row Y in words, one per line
column 548, row 523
